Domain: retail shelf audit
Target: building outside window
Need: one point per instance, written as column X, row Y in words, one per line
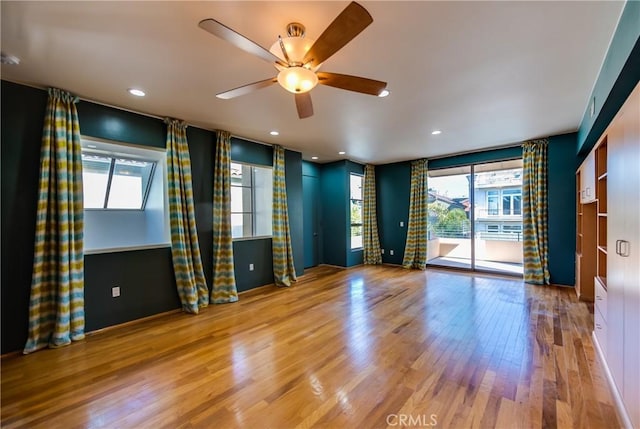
column 115, row 183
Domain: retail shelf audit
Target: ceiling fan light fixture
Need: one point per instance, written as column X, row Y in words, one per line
column 297, row 80
column 296, row 48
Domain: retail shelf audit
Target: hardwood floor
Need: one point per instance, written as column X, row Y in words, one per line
column 367, row 347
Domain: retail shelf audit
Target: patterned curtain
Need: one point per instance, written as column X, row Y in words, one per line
column 224, row 280
column 283, row 270
column 187, row 263
column 56, row 307
column 415, row 251
column 534, row 216
column 371, row 241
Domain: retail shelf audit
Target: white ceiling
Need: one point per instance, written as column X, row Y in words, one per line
column 487, row 74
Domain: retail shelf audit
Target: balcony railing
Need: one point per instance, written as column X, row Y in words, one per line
column 462, row 233
column 483, row 213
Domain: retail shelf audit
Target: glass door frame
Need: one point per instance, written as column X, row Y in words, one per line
column 472, row 216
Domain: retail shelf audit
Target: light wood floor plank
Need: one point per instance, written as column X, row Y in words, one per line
column 365, row 347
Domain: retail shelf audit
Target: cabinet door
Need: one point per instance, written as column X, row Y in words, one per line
column 588, row 179
column 631, row 256
column 617, row 197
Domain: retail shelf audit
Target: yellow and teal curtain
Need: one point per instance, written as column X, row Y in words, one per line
column 224, row 280
column 283, row 270
column 534, row 212
column 370, row 240
column 185, row 250
column 415, row 251
column 56, row 306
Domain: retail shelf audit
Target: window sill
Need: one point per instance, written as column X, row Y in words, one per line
column 257, row 237
column 126, row 249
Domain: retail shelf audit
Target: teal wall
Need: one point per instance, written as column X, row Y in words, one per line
column 145, row 276
column 336, row 217
column 393, row 193
column 619, row 75
column 562, row 208
column 334, row 209
column 312, row 214
column 476, row 157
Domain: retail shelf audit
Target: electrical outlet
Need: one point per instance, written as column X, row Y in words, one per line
column 391, row 252
column 250, row 267
column 401, row 224
column 382, row 251
column 115, row 291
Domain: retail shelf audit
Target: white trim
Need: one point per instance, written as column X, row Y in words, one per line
column 617, row 398
column 126, row 249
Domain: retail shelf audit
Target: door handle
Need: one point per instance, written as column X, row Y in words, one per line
column 618, row 242
column 627, row 246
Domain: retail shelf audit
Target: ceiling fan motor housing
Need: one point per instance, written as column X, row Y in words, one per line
column 295, row 44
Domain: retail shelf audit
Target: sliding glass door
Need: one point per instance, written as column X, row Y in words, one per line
column 449, row 223
column 497, row 191
column 475, row 217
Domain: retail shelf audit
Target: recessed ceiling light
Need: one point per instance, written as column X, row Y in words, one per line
column 436, row 132
column 137, row 92
column 314, row 157
column 274, row 133
column 341, row 152
column 384, row 93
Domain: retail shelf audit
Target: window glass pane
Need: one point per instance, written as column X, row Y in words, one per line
column 517, row 205
column 241, row 225
column 492, row 203
column 240, row 199
column 251, row 200
column 263, row 200
column 95, row 176
column 356, row 187
column 356, row 237
column 236, row 174
column 506, row 205
column 356, row 210
column 129, row 184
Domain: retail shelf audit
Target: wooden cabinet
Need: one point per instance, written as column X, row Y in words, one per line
column 586, row 232
column 617, row 313
column 588, row 179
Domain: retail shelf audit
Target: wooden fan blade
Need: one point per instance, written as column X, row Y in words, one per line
column 245, row 89
column 222, row 31
column 341, row 31
column 304, row 105
column 351, row 83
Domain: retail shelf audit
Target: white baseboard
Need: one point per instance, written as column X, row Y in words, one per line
column 617, row 398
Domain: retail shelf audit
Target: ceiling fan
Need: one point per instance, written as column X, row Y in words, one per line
column 298, row 59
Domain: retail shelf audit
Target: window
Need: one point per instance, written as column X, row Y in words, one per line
column 356, row 210
column 492, row 203
column 511, row 202
column 111, row 182
column 251, row 200
column 512, row 229
column 493, row 228
column 125, row 197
